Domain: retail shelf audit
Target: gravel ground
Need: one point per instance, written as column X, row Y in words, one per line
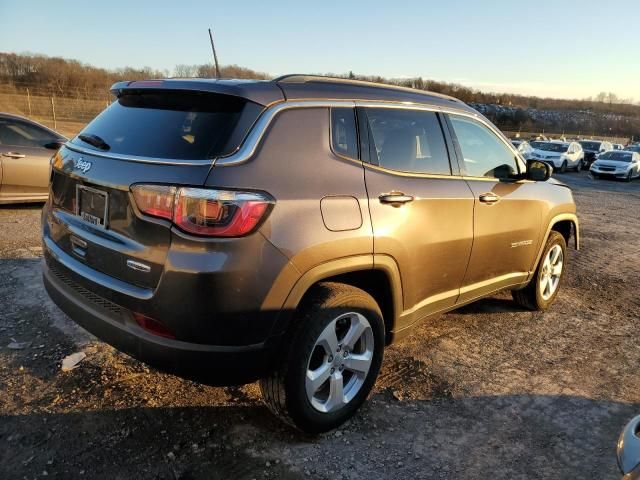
column 488, row 391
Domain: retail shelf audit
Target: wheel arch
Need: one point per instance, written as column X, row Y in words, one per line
column 567, row 225
column 377, row 275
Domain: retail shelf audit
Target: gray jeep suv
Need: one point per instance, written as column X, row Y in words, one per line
column 289, row 230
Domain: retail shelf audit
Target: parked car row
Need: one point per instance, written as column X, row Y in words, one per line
column 601, row 158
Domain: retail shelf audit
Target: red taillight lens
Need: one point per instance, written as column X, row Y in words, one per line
column 219, row 213
column 155, row 200
column 214, row 213
column 153, row 326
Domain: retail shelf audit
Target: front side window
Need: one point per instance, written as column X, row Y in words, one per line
column 344, row 138
column 22, row 134
column 485, row 155
column 407, row 141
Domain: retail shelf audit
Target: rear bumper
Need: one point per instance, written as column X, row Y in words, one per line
column 211, row 364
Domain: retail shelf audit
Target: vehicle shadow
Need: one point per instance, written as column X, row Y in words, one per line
column 519, row 436
column 22, row 206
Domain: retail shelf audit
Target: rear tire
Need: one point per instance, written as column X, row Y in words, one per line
column 331, row 313
column 543, row 288
column 580, row 166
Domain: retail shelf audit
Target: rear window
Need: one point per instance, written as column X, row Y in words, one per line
column 591, row 145
column 171, row 124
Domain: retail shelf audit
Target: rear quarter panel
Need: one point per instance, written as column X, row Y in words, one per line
column 295, row 164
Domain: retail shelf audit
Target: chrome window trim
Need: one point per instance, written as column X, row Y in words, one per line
column 135, row 158
column 253, row 139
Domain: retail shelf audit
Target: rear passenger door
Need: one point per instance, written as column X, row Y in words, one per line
column 24, row 159
column 508, row 212
column 421, row 208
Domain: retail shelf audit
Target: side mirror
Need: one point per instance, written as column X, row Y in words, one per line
column 538, row 171
column 54, row 145
column 629, row 449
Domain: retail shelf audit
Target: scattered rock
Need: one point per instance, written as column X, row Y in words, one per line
column 14, row 345
column 71, row 361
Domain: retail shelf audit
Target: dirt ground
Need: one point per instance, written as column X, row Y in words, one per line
column 486, row 392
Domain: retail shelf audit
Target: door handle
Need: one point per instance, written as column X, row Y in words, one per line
column 395, row 198
column 489, row 198
column 13, row 154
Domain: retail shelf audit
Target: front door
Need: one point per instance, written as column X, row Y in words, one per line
column 421, row 209
column 508, row 212
column 25, row 160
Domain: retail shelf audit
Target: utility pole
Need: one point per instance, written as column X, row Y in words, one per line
column 215, row 56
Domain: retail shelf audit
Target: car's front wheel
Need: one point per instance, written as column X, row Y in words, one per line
column 563, row 167
column 629, row 176
column 543, row 288
column 330, row 361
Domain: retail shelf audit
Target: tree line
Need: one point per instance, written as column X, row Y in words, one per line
column 71, row 78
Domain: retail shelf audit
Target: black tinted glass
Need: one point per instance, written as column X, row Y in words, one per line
column 344, row 138
column 178, row 125
column 591, row 145
column 408, row 141
column 15, row 132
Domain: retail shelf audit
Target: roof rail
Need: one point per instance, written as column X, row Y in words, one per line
column 303, row 78
column 307, row 77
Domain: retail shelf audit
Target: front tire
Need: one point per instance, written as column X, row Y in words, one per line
column 563, row 167
column 329, row 362
column 629, row 177
column 543, row 288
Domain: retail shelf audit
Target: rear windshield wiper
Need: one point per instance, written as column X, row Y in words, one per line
column 94, row 140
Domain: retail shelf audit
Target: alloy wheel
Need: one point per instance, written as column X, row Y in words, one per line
column 339, row 362
column 551, row 272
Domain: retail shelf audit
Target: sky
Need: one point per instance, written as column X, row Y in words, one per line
column 561, row 48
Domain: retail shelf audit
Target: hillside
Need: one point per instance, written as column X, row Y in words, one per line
column 46, row 77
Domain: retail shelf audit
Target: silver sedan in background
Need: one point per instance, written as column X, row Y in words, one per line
column 25, row 150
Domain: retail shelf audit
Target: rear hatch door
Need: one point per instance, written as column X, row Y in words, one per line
column 146, row 136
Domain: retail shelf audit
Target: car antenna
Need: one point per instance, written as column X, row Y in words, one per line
column 215, row 56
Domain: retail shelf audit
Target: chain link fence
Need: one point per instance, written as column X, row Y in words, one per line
column 69, row 113
column 66, row 114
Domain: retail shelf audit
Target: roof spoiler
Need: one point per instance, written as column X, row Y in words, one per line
column 260, row 92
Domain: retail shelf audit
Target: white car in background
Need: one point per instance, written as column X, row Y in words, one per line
column 560, row 155
column 621, row 164
column 523, row 147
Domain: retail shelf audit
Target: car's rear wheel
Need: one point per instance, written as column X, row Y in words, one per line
column 330, row 360
column 580, row 166
column 543, row 288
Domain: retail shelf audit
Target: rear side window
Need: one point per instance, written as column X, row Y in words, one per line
column 172, row 124
column 344, row 137
column 15, row 132
column 407, row 141
column 485, row 155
